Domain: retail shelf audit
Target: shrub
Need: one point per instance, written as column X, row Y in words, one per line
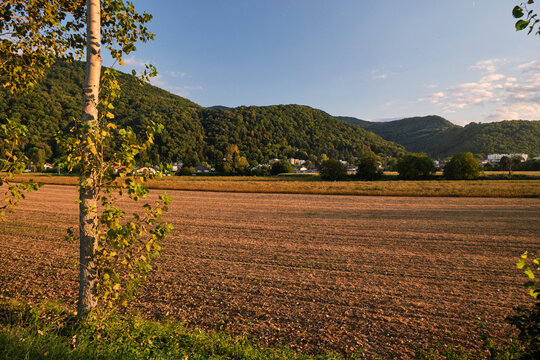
column 185, row 170
column 368, row 167
column 415, row 167
column 462, row 166
column 527, row 319
column 260, row 171
column 332, row 170
column 280, row 167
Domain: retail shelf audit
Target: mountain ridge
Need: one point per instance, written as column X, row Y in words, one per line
column 441, row 138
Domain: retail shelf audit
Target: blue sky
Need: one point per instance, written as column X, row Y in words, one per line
column 374, row 60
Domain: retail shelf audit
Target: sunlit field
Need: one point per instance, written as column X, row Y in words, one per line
column 342, row 273
column 527, row 185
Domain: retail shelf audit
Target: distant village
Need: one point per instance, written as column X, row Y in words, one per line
column 300, row 166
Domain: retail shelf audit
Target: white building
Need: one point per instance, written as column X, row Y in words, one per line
column 495, row 158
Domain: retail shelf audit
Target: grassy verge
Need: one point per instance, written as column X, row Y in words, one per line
column 49, row 331
column 495, row 185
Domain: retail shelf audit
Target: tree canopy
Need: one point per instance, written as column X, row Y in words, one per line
column 415, row 167
column 332, row 169
column 462, row 166
column 368, row 167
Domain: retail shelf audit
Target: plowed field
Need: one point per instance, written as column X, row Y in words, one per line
column 314, row 272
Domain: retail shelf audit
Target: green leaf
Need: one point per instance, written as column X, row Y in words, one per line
column 522, row 24
column 517, row 12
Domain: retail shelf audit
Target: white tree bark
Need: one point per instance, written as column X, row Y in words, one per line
column 88, row 216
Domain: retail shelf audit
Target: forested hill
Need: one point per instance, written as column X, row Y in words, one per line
column 295, row 130
column 192, row 133
column 440, row 138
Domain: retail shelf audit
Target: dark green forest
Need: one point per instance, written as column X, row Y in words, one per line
column 192, row 134
column 441, row 139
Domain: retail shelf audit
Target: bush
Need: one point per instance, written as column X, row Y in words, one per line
column 281, row 167
column 415, row 167
column 368, row 167
column 185, row 170
column 462, row 166
column 527, row 319
column 332, row 170
column 260, row 171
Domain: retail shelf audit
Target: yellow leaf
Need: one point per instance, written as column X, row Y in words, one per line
column 93, row 149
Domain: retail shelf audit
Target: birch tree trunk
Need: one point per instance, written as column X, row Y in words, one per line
column 88, row 216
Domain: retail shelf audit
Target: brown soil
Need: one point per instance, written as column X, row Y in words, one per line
column 309, row 271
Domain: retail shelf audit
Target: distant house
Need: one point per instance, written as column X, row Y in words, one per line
column 294, row 161
column 201, row 169
column 146, row 171
column 301, row 170
column 495, row 158
column 47, row 166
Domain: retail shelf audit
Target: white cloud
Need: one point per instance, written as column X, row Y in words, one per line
column 492, row 77
column 508, row 97
column 162, row 81
column 434, row 98
column 136, row 62
column 528, row 65
column 177, row 74
column 488, row 66
column 516, row 111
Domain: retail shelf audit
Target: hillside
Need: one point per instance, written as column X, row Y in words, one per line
column 192, row 133
column 440, row 138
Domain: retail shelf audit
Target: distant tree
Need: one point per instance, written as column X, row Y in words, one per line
column 462, row 166
column 185, row 170
column 391, row 164
column 529, row 165
column 280, row 167
column 489, row 167
column 509, row 163
column 263, row 170
column 368, row 167
column 234, row 163
column 415, row 167
column 332, row 170
column 527, row 18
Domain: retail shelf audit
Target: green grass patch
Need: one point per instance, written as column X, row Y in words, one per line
column 50, row 331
